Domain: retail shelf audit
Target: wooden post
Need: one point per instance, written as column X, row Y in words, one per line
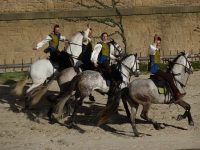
column 14, row 65
column 191, row 53
column 22, row 65
column 5, row 64
column 199, row 54
column 170, row 52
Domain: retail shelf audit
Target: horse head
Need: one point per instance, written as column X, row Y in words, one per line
column 87, row 34
column 181, row 68
column 131, row 64
column 118, row 51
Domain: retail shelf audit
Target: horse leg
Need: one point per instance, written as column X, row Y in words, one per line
column 126, row 98
column 187, row 113
column 78, row 103
column 144, row 115
column 126, row 108
column 133, row 124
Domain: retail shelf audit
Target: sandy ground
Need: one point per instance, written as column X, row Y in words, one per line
column 18, row 131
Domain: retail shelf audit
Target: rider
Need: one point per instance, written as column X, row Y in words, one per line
column 53, row 40
column 155, row 49
column 101, row 57
column 86, row 52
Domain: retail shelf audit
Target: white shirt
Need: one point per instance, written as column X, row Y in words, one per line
column 46, row 40
column 97, row 50
column 153, row 49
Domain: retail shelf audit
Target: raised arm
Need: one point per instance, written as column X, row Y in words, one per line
column 62, row 38
column 43, row 42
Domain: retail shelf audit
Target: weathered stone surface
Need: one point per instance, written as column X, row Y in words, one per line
column 176, row 30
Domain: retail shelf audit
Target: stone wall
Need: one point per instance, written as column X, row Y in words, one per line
column 44, row 5
column 176, row 30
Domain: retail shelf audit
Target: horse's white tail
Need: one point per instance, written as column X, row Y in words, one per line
column 19, row 88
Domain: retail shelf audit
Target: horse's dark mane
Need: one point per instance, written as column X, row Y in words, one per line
column 173, row 62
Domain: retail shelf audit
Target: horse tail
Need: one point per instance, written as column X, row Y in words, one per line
column 38, row 94
column 59, row 107
column 19, row 88
column 111, row 107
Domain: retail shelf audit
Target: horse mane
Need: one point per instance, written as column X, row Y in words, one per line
column 173, row 62
column 75, row 34
column 126, row 56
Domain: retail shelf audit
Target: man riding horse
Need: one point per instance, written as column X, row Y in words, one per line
column 101, row 57
column 168, row 76
column 57, row 58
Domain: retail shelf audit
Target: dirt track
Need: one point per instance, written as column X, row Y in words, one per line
column 18, row 132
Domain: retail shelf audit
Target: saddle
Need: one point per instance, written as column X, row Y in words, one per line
column 162, row 84
column 61, row 61
column 113, row 75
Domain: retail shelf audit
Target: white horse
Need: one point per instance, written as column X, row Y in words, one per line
column 67, row 74
column 145, row 92
column 88, row 81
column 43, row 69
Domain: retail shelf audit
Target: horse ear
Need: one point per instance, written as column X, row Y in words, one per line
column 135, row 54
column 112, row 41
column 187, row 55
column 88, row 25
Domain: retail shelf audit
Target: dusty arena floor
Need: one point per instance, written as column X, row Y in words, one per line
column 19, row 132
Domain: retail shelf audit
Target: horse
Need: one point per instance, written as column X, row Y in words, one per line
column 43, row 69
column 84, row 83
column 67, row 74
column 145, row 92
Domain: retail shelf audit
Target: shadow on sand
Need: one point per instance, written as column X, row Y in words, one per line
column 86, row 115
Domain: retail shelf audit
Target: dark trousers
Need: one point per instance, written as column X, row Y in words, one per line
column 106, row 69
column 169, row 78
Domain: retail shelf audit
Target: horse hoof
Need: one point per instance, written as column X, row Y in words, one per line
column 71, row 125
column 139, row 135
column 162, row 126
column 180, row 117
column 191, row 123
column 37, row 120
column 55, row 116
column 157, row 126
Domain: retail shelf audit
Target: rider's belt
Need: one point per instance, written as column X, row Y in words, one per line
column 103, row 58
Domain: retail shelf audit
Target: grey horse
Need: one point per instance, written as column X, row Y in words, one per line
column 88, row 81
column 145, row 92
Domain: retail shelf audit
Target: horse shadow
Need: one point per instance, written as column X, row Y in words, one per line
column 87, row 114
column 17, row 103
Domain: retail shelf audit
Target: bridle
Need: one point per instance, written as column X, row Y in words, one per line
column 117, row 48
column 187, row 70
column 71, row 43
column 130, row 70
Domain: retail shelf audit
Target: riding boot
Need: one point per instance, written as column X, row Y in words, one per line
column 169, row 78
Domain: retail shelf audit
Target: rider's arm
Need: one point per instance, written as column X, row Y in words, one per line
column 152, row 49
column 43, row 42
column 112, row 52
column 95, row 53
column 62, row 38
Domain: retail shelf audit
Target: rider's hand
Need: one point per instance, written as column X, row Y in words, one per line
column 34, row 48
column 95, row 64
